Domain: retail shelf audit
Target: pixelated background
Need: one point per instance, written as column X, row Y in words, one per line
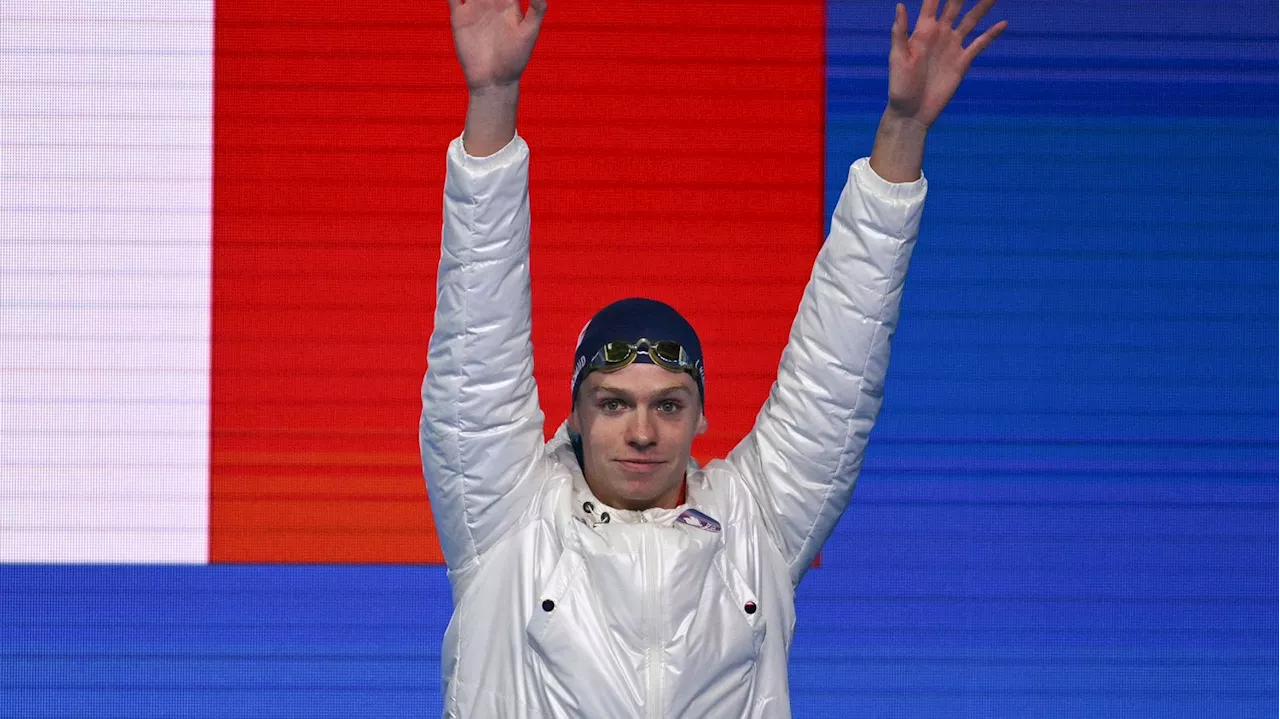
column 218, row 234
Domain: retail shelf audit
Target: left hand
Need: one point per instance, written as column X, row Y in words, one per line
column 926, row 68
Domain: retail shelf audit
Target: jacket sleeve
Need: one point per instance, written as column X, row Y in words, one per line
column 802, row 457
column 481, row 428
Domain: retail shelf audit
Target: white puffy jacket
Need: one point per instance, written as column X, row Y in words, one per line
column 564, row 607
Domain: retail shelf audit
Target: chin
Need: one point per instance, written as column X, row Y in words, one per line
column 646, row 493
column 637, row 495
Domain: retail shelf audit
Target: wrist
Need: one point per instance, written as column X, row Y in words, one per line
column 899, row 148
column 906, row 127
column 494, row 91
column 491, row 118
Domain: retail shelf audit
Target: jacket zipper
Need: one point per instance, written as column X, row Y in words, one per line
column 653, row 704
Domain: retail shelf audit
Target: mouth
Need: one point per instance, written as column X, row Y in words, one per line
column 639, row 466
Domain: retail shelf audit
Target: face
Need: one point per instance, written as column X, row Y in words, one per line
column 637, row 427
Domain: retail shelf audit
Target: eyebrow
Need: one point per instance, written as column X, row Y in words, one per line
column 660, row 394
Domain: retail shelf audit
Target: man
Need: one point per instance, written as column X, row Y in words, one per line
column 604, row 574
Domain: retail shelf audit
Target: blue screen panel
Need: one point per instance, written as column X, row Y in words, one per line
column 112, row 642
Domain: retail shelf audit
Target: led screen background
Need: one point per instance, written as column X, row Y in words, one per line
column 1068, row 506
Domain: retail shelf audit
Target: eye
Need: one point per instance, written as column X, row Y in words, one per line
column 669, row 406
column 612, row 405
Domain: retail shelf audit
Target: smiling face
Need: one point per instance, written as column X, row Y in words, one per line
column 637, row 426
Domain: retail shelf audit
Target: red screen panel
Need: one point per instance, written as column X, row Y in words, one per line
column 676, row 153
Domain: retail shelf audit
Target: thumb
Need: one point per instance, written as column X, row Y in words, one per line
column 898, row 36
column 533, row 18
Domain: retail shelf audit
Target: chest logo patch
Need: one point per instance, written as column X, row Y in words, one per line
column 694, row 518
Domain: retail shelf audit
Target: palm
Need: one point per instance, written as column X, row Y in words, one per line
column 494, row 39
column 926, row 68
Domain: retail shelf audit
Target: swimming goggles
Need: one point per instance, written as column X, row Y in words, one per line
column 666, row 354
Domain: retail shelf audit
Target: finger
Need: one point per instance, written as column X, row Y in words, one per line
column 898, row 36
column 453, row 5
column 982, row 41
column 974, row 15
column 951, row 12
column 533, row 18
column 928, row 10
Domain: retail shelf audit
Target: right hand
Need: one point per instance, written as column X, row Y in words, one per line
column 926, row 68
column 494, row 39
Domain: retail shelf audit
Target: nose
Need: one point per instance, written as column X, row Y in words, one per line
column 641, row 434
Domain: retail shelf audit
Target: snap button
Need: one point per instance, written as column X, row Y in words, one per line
column 548, row 605
column 588, row 507
column 749, row 608
column 604, row 517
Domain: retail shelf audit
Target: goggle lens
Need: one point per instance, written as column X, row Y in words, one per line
column 668, row 352
column 617, row 353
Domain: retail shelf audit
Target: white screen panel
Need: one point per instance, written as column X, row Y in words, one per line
column 105, row 201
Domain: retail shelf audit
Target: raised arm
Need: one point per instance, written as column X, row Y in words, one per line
column 494, row 41
column 481, row 429
column 802, row 457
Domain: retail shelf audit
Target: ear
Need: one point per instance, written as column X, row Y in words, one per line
column 574, row 425
column 702, row 424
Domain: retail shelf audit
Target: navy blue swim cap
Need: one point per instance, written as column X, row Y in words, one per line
column 629, row 321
